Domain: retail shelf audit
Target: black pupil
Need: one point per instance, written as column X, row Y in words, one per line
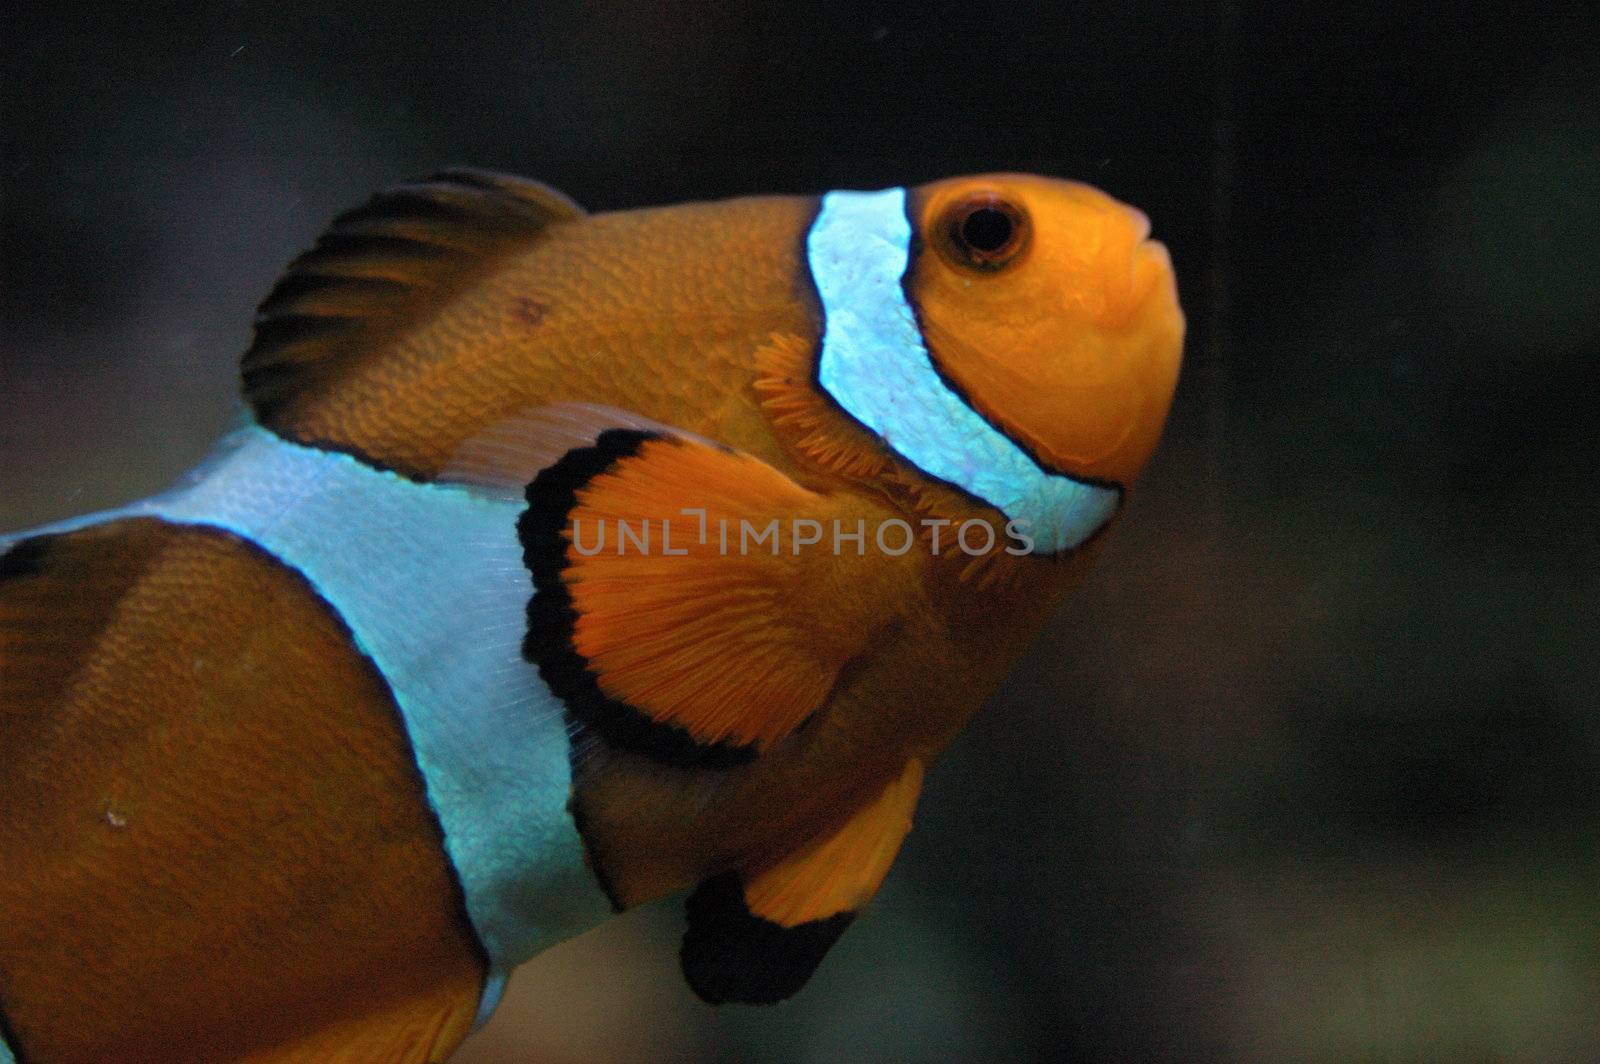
column 987, row 229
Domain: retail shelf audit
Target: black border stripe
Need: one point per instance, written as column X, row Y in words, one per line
column 349, row 450
column 552, row 617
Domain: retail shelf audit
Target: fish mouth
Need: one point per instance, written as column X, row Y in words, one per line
column 1132, row 282
column 1141, row 223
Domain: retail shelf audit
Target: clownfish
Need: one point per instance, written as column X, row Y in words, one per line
column 560, row 562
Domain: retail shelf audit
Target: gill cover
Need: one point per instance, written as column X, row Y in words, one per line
column 874, row 364
column 1013, row 338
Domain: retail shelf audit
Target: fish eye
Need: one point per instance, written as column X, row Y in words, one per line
column 984, row 231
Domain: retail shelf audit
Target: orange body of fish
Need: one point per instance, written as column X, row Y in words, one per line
column 565, row 562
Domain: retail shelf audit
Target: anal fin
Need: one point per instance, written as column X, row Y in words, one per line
column 757, row 938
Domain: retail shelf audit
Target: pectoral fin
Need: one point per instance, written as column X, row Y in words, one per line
column 757, row 938
column 677, row 612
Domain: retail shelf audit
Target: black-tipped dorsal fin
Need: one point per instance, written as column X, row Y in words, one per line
column 385, row 267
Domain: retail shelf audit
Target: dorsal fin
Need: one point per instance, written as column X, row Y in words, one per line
column 384, row 268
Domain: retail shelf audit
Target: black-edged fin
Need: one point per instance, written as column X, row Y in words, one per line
column 58, row 592
column 384, row 268
column 658, row 628
column 756, row 939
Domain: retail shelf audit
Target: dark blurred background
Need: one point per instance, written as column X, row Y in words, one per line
column 1308, row 770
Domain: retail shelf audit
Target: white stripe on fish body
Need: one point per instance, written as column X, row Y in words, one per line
column 430, row 581
column 875, row 364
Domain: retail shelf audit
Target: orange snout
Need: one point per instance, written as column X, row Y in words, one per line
column 1072, row 347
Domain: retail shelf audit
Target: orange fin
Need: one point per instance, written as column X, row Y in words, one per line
column 383, row 269
column 804, row 415
column 676, row 615
column 57, row 594
column 757, row 938
column 422, row 1030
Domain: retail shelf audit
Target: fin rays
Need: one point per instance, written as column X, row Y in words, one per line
column 384, row 268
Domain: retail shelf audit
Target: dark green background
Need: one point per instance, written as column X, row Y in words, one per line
column 1307, row 771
